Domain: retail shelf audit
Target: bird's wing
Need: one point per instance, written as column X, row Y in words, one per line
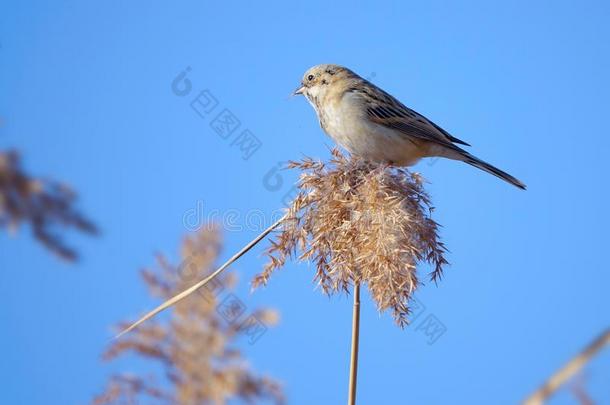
column 383, row 109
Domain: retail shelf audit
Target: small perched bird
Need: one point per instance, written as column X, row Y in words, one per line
column 372, row 124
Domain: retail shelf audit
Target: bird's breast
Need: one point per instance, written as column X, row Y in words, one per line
column 342, row 120
column 347, row 122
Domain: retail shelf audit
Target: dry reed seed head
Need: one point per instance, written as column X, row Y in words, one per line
column 44, row 204
column 360, row 222
column 194, row 345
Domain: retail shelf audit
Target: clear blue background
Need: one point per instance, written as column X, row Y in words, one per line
column 85, row 94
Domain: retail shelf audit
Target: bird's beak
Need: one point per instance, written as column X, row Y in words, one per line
column 299, row 90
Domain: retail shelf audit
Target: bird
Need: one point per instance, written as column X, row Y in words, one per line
column 372, row 124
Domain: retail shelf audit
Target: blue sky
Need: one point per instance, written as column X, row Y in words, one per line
column 86, row 96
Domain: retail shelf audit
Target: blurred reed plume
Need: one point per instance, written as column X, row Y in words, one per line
column 360, row 222
column 195, row 347
column 44, row 204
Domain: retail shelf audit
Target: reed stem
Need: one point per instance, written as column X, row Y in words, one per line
column 203, row 282
column 353, row 364
column 568, row 370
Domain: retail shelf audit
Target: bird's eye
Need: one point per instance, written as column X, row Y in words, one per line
column 310, row 77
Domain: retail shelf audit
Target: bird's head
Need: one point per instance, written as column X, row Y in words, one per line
column 318, row 80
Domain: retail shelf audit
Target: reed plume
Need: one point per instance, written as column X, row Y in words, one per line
column 195, row 347
column 45, row 204
column 360, row 223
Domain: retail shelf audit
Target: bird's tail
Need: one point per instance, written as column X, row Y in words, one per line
column 476, row 162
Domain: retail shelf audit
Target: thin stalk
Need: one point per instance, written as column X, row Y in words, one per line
column 566, row 372
column 353, row 364
column 203, row 282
